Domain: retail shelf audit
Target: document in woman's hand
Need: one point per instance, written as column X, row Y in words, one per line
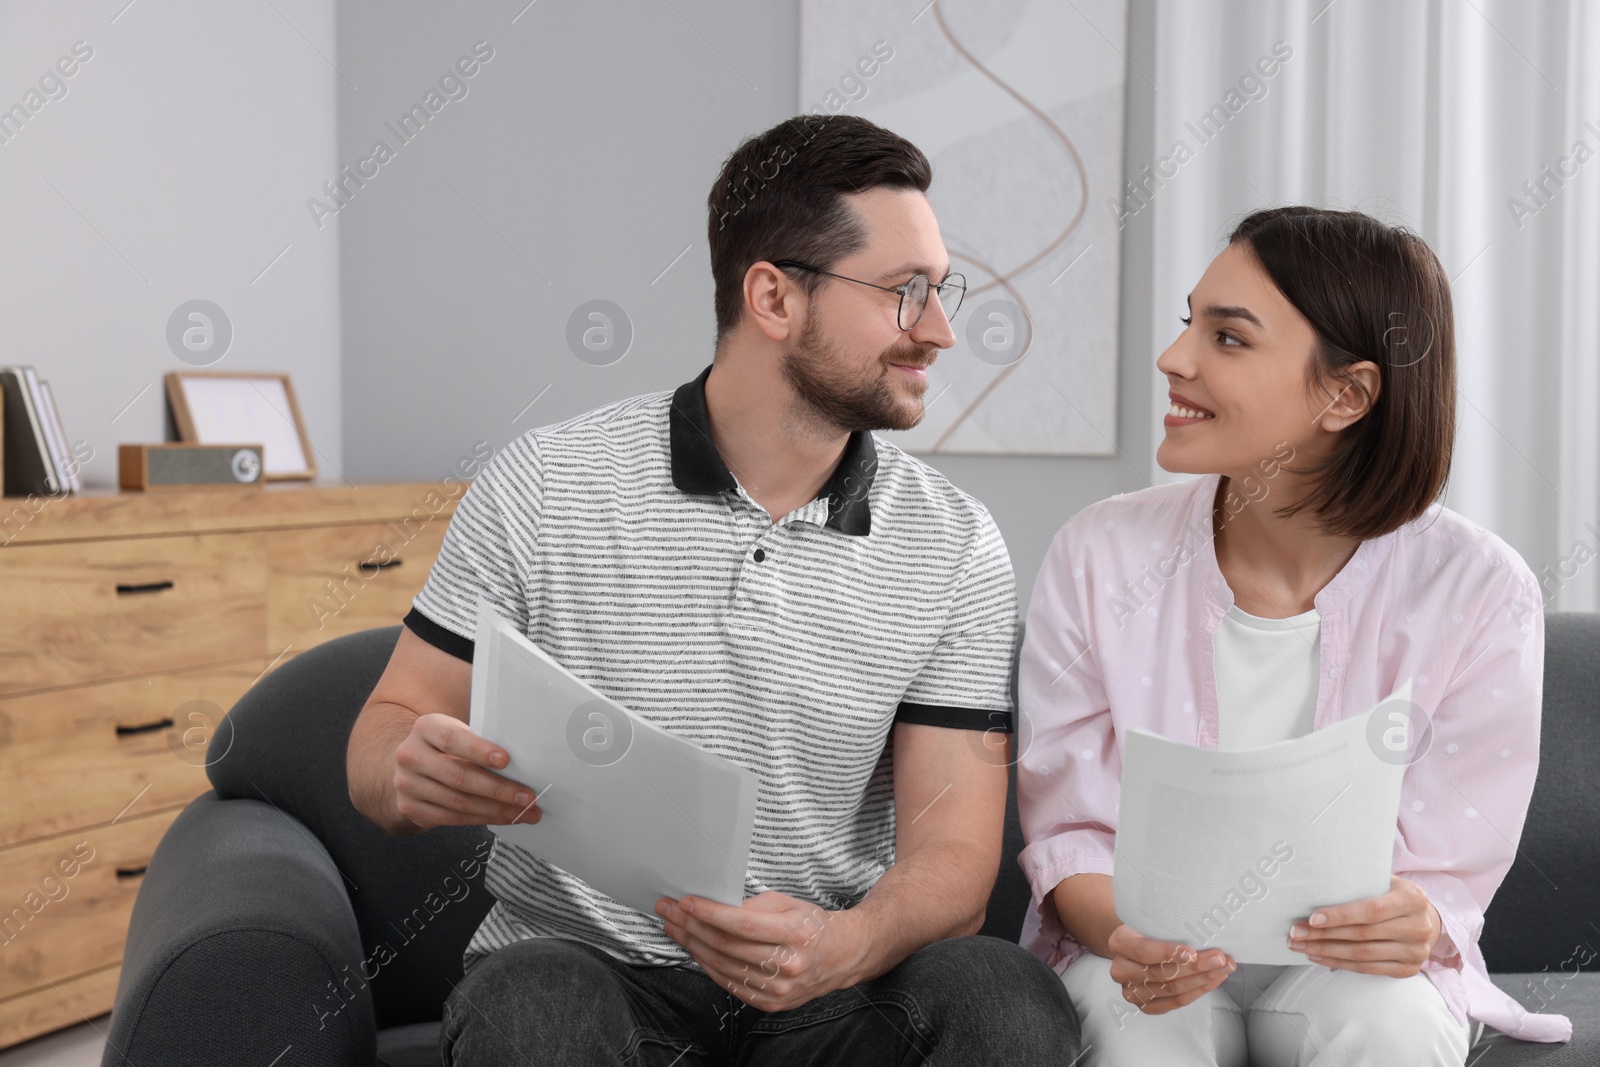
column 1226, row 849
column 636, row 812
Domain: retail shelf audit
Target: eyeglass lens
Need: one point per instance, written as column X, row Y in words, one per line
column 916, row 299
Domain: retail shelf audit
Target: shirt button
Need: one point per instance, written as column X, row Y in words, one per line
column 761, row 554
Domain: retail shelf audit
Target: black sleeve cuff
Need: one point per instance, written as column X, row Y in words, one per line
column 953, row 718
column 437, row 636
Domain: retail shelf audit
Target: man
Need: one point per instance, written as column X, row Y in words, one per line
column 742, row 563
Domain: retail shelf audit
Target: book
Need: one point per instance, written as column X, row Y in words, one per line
column 28, row 466
column 66, row 467
column 36, row 396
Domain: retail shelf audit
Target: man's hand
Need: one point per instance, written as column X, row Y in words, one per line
column 773, row 952
column 1392, row 934
column 443, row 777
column 1161, row 976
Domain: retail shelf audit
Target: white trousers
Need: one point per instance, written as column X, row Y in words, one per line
column 1268, row 1016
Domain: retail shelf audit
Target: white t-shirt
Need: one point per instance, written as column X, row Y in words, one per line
column 1267, row 673
column 1266, row 692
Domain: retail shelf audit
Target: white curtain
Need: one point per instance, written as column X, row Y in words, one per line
column 1475, row 123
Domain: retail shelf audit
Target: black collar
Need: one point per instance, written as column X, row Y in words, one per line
column 698, row 468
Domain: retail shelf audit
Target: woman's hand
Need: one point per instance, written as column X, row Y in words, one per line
column 1159, row 976
column 1392, row 934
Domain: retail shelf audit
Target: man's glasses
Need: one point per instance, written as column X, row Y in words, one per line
column 913, row 294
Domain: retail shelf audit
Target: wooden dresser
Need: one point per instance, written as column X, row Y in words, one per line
column 129, row 624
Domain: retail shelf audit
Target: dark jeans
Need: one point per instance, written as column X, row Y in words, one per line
column 546, row 1001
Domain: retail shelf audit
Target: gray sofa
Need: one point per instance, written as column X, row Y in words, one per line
column 276, row 925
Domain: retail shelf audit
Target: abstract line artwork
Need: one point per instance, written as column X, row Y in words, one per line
column 1019, row 106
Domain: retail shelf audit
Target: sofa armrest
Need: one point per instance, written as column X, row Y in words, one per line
column 242, row 943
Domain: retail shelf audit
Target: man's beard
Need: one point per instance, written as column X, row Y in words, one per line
column 822, row 378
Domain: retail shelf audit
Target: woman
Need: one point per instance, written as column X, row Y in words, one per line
column 1297, row 582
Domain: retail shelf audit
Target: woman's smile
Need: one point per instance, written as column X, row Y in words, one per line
column 1185, row 412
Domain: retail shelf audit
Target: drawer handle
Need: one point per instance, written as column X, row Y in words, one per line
column 124, row 588
column 379, row 565
column 142, row 728
column 131, row 872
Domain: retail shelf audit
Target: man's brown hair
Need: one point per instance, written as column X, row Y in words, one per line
column 781, row 196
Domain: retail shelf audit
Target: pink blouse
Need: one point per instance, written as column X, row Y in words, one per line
column 1120, row 634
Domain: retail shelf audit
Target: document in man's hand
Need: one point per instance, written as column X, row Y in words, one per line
column 1227, row 849
column 631, row 809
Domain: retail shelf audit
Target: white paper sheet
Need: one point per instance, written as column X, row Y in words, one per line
column 1227, row 849
column 636, row 812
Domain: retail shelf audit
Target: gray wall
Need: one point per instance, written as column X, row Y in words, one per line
column 173, row 165
column 576, row 167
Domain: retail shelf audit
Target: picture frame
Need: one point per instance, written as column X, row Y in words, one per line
column 220, row 407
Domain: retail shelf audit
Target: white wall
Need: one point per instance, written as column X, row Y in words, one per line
column 176, row 166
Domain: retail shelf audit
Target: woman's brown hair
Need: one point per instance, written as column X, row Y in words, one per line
column 1371, row 292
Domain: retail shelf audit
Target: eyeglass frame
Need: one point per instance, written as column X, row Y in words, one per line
column 901, row 290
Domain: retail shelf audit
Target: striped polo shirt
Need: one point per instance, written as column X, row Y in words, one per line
column 622, row 545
